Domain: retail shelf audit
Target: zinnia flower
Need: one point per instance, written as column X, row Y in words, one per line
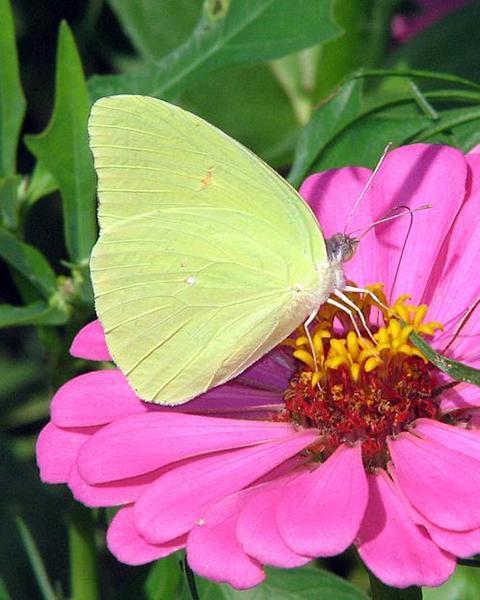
column 359, row 442
column 406, row 26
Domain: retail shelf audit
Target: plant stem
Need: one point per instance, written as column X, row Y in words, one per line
column 83, row 555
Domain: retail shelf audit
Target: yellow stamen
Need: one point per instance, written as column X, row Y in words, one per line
column 355, row 371
column 352, row 344
column 358, row 354
column 305, row 357
column 371, row 364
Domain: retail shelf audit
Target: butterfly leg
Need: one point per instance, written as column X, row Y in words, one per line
column 342, row 307
column 309, row 337
column 373, row 296
column 359, row 312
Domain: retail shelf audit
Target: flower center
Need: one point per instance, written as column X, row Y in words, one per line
column 357, row 389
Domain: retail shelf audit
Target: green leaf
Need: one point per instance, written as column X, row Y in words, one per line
column 164, row 578
column 42, row 183
column 36, row 561
column 301, row 584
column 462, row 585
column 350, row 129
column 328, row 120
column 28, row 261
column 155, row 27
column 10, row 201
column 297, row 74
column 362, row 40
column 363, row 141
column 63, row 149
column 451, row 119
column 4, row 595
column 251, row 106
column 456, row 370
column 230, row 32
column 448, row 45
column 380, row 591
column 12, row 100
column 36, row 313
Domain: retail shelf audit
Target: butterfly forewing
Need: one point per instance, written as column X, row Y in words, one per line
column 206, row 257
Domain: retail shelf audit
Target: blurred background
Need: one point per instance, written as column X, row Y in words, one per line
column 344, row 79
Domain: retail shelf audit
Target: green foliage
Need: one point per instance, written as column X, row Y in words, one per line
column 29, row 262
column 353, row 127
column 63, row 149
column 456, row 370
column 156, row 28
column 302, row 584
column 463, row 585
column 380, row 591
column 12, row 101
column 446, row 46
column 36, row 561
column 230, row 32
column 307, row 86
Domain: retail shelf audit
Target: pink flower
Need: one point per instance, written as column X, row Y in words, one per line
column 270, row 469
column 405, row 27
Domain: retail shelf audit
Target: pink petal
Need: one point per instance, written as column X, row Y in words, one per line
column 57, row 451
column 234, row 399
column 129, row 547
column 413, row 176
column 214, row 552
column 271, row 372
column 90, row 343
column 405, row 27
column 257, row 529
column 341, row 188
column 442, row 484
column 458, row 543
column 177, row 500
column 473, row 161
column 458, row 439
column 95, row 398
column 462, row 395
column 455, row 270
column 143, row 443
column 473, row 417
column 114, row 493
column 393, row 547
column 321, row 511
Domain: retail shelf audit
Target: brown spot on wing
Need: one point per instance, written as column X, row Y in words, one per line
column 207, row 180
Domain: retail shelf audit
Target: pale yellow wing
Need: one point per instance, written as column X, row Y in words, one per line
column 206, row 259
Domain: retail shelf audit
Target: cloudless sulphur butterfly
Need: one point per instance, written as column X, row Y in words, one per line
column 206, row 258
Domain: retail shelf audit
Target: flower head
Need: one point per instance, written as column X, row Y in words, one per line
column 405, row 26
column 349, row 440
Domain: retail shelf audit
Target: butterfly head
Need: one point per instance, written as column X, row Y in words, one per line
column 341, row 248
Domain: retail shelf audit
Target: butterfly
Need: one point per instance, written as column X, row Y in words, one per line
column 206, row 258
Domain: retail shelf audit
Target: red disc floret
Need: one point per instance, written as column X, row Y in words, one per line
column 381, row 404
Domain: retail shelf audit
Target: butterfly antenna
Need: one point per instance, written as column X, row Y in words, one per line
column 367, row 186
column 397, row 270
column 389, row 217
column 461, row 325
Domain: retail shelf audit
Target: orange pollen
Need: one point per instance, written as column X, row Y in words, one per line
column 361, row 389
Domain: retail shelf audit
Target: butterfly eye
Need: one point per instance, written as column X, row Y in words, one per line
column 341, row 248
